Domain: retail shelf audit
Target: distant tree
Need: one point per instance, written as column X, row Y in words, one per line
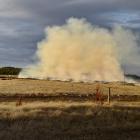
column 9, row 71
column 132, row 76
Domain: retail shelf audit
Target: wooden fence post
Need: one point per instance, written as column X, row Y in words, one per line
column 109, row 93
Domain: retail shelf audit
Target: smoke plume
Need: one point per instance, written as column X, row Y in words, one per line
column 80, row 51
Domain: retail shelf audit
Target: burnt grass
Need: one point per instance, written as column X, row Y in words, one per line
column 74, row 123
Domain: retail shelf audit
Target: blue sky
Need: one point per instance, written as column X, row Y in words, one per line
column 22, row 22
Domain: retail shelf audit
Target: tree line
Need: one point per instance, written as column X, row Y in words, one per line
column 9, row 71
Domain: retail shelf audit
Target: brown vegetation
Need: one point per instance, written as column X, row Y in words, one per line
column 69, row 121
column 31, row 86
column 70, row 112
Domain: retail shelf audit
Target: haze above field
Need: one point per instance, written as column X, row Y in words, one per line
column 23, row 23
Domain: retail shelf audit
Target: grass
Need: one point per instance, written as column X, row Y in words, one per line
column 68, row 121
column 26, row 86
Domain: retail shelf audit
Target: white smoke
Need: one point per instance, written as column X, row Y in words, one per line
column 81, row 52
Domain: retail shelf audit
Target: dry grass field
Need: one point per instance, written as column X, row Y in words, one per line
column 67, row 118
column 30, row 86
